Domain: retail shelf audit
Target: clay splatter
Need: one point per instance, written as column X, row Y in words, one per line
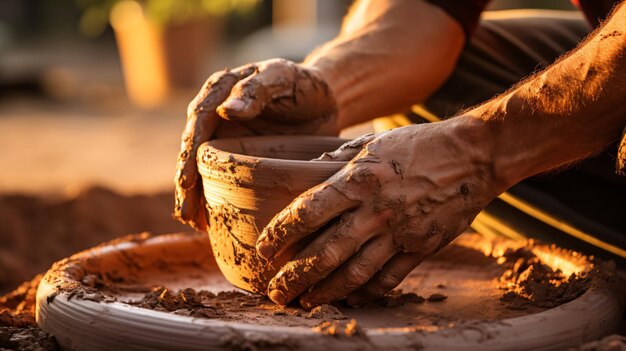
column 326, row 312
column 530, row 282
column 398, row 298
column 202, row 303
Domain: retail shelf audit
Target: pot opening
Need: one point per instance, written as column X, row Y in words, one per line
column 300, row 148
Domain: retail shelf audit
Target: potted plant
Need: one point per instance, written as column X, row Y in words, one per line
column 163, row 44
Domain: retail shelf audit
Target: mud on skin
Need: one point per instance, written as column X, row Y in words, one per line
column 273, row 97
column 387, row 210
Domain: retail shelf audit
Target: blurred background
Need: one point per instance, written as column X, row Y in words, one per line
column 95, row 91
column 93, row 95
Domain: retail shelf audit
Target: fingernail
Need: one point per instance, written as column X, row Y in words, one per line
column 234, row 104
column 265, row 250
column 278, row 297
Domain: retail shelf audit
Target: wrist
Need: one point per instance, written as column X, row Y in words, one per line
column 479, row 140
column 516, row 147
column 324, row 69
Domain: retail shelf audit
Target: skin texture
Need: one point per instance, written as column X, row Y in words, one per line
column 407, row 192
column 383, row 61
column 331, row 90
column 382, row 209
column 410, row 191
column 270, row 97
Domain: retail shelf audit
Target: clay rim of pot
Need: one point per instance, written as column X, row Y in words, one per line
column 229, row 150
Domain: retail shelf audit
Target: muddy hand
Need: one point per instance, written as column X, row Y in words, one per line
column 270, row 97
column 347, row 151
column 406, row 194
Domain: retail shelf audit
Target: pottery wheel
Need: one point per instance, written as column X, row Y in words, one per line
column 86, row 315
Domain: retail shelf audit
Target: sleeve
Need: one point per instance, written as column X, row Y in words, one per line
column 595, row 11
column 466, row 12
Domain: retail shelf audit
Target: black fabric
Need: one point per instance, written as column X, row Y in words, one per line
column 508, row 46
column 467, row 13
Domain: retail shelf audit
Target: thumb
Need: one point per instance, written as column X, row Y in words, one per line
column 273, row 79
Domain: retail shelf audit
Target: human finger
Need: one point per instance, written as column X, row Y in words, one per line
column 202, row 120
column 325, row 253
column 272, row 79
column 390, row 276
column 306, row 214
column 353, row 274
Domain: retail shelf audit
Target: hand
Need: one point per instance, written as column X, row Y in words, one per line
column 267, row 98
column 406, row 194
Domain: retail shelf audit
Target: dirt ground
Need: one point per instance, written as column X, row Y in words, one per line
column 36, row 231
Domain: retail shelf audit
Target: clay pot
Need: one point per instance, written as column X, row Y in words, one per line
column 246, row 182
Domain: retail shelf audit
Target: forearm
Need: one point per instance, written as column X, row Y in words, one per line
column 569, row 111
column 389, row 55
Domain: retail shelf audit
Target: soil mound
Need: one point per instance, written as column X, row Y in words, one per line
column 37, row 231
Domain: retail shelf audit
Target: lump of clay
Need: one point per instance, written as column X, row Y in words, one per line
column 326, row 312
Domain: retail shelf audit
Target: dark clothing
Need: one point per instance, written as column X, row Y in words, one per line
column 506, row 47
column 467, row 12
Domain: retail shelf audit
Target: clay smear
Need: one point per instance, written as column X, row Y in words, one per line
column 528, row 281
column 206, row 304
column 226, row 305
column 246, row 182
column 458, row 289
column 457, row 285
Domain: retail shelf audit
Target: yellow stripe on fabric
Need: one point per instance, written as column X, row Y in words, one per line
column 488, row 224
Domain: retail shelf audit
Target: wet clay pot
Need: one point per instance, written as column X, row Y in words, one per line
column 246, row 182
